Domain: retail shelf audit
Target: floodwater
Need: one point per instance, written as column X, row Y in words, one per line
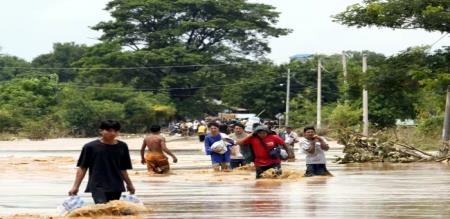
column 379, row 190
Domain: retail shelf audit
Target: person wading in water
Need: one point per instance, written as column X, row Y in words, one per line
column 155, row 158
column 262, row 142
column 107, row 160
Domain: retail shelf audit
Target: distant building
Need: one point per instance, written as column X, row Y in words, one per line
column 301, row 57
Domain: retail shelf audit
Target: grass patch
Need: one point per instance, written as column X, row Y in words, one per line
column 412, row 136
column 7, row 137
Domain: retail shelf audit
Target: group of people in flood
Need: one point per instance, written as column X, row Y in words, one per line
column 264, row 148
column 108, row 159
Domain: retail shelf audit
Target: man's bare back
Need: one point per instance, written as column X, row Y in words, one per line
column 156, row 159
column 154, row 142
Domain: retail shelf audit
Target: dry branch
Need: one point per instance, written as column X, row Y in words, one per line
column 378, row 147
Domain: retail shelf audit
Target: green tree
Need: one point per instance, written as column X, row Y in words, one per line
column 83, row 116
column 345, row 116
column 431, row 15
column 23, row 99
column 8, row 123
column 84, row 108
column 262, row 90
column 8, row 66
column 30, row 97
column 392, row 87
column 61, row 58
column 145, row 109
column 180, row 32
column 211, row 26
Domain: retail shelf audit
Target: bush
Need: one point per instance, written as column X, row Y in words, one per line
column 303, row 113
column 143, row 110
column 84, row 116
column 36, row 130
column 8, row 123
column 51, row 126
column 431, row 125
column 344, row 116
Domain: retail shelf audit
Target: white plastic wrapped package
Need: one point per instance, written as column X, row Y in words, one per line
column 131, row 198
column 219, row 147
column 71, row 203
column 283, row 154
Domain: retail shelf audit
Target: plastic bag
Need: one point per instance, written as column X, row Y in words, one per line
column 283, row 154
column 219, row 147
column 69, row 204
column 131, row 198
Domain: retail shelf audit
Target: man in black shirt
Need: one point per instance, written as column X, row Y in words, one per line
column 107, row 160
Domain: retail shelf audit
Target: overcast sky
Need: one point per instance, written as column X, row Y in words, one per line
column 30, row 27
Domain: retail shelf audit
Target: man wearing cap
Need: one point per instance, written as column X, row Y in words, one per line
column 290, row 138
column 262, row 141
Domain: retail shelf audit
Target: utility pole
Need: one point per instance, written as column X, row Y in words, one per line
column 288, row 90
column 446, row 129
column 365, row 101
column 319, row 92
column 344, row 68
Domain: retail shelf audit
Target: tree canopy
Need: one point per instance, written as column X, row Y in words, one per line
column 430, row 15
column 218, row 28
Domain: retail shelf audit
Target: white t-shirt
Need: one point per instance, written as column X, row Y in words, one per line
column 236, row 149
column 195, row 125
column 318, row 157
column 290, row 138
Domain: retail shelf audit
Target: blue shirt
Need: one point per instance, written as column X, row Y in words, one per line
column 216, row 157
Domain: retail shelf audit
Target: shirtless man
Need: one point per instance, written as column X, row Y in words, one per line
column 155, row 158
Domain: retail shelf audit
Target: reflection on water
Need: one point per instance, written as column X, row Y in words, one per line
column 268, row 198
column 379, row 190
column 313, row 201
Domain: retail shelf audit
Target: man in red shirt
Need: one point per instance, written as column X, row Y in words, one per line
column 263, row 141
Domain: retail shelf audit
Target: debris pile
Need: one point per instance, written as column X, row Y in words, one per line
column 378, row 148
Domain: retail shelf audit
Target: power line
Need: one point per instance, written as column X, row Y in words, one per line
column 441, row 38
column 168, row 89
column 118, row 68
column 179, row 95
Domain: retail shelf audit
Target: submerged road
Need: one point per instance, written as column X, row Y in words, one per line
column 380, row 190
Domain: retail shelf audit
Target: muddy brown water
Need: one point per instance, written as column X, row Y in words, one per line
column 381, row 190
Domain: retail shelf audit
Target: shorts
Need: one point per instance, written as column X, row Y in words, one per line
column 221, row 158
column 157, row 162
column 316, row 170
